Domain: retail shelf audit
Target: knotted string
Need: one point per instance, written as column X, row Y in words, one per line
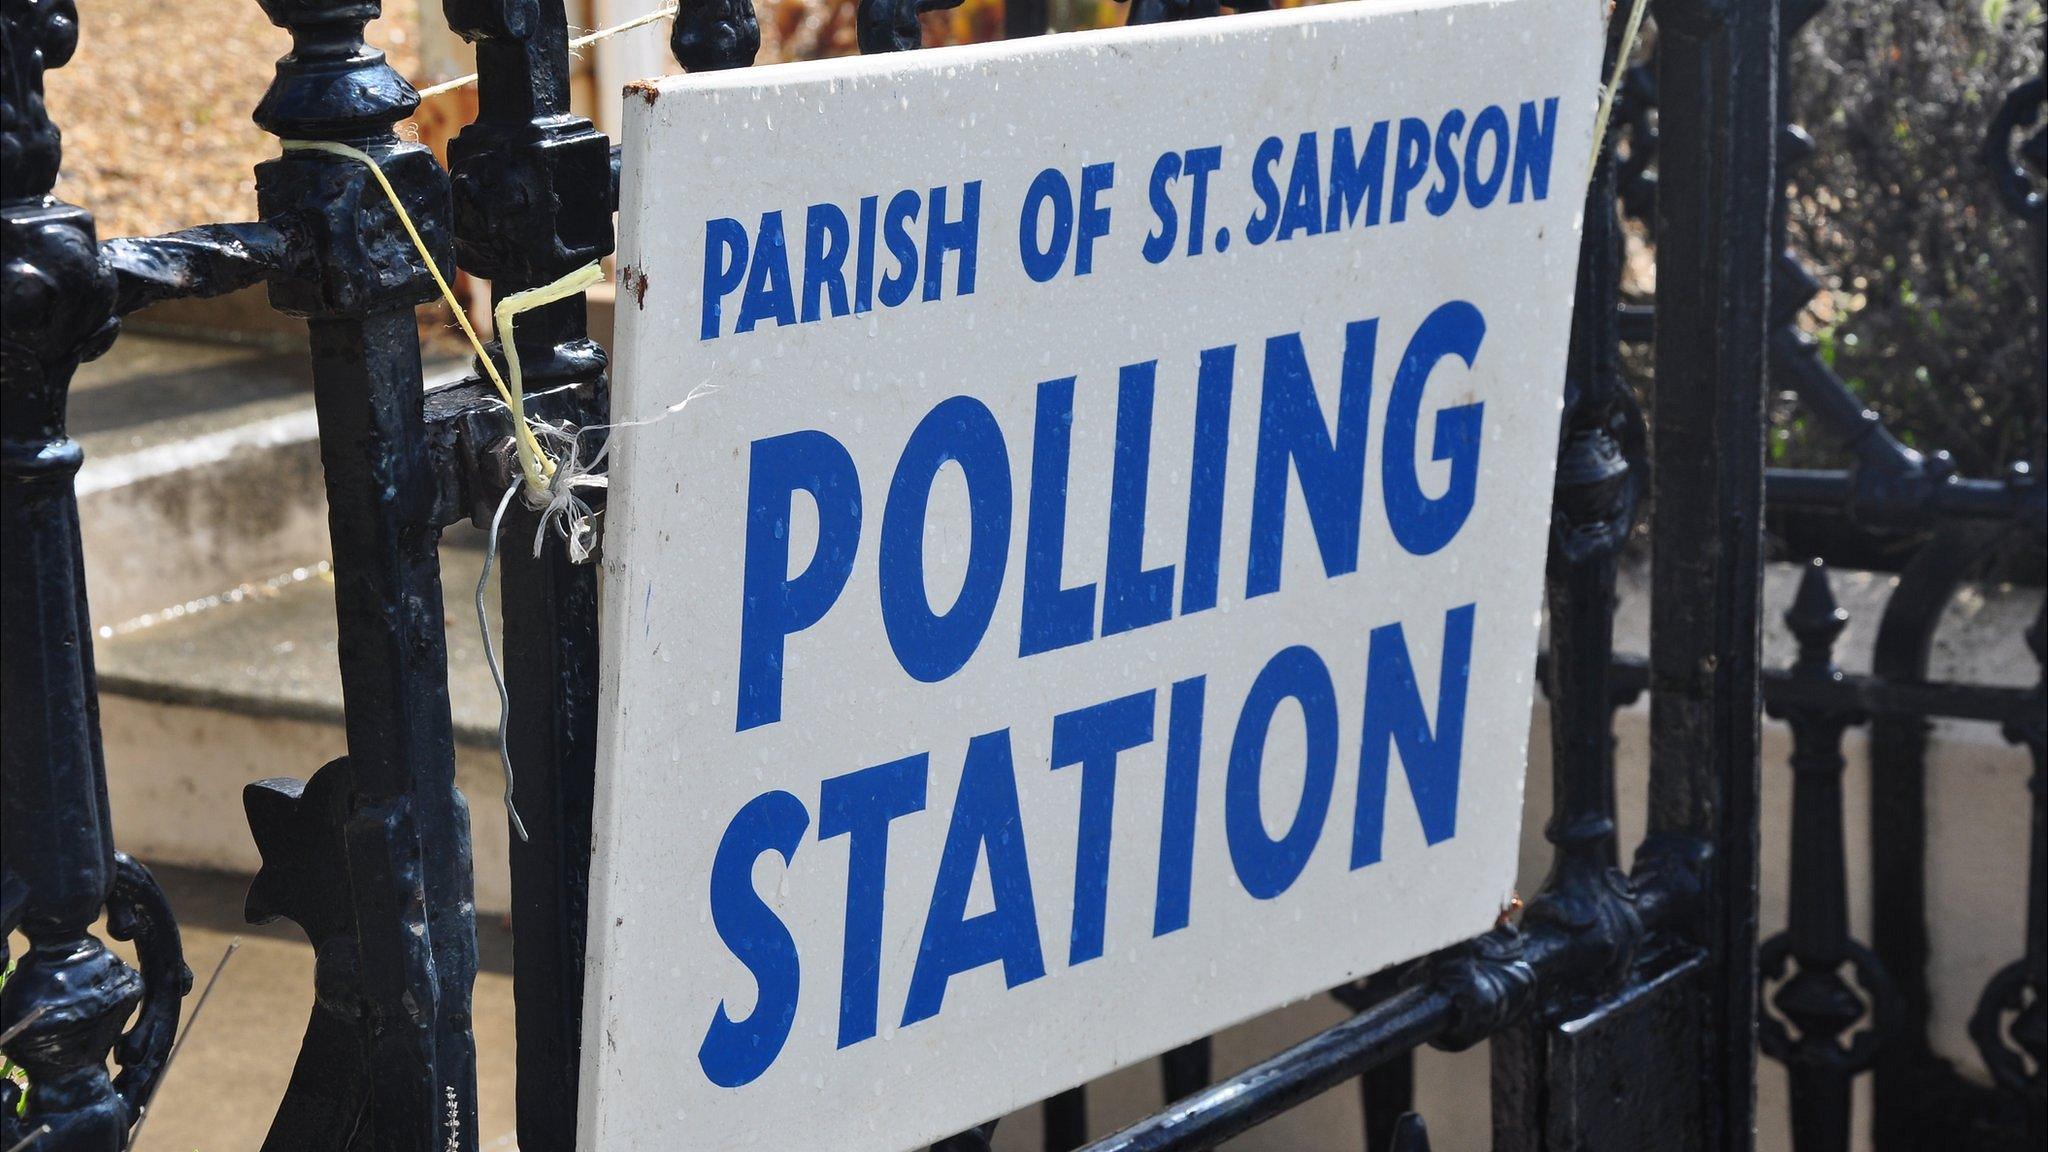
column 570, row 517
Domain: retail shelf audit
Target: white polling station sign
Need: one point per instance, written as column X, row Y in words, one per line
column 1092, row 598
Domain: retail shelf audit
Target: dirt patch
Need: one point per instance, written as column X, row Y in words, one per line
column 155, row 107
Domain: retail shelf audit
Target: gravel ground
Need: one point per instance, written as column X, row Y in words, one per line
column 155, row 107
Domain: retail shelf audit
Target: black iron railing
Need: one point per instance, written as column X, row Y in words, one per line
column 1624, row 1009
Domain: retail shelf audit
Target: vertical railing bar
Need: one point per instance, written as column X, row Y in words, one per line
column 1585, row 898
column 1023, row 18
column 67, row 1006
column 371, row 856
column 1822, row 1061
column 1717, row 69
column 1907, row 1071
column 2016, row 1054
column 1593, row 511
column 532, row 190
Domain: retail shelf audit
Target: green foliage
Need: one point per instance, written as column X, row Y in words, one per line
column 1929, row 311
column 8, row 1068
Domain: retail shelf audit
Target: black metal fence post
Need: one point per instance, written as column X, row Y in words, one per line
column 1717, row 82
column 1025, row 18
column 1548, row 1078
column 532, row 195
column 69, row 1001
column 1822, row 1060
column 2021, row 988
column 371, row 856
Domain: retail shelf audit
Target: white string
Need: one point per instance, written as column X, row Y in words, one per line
column 483, row 623
column 562, row 511
column 576, row 44
column 570, row 517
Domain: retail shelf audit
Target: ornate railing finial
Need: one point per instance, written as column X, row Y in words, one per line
column 713, row 35
column 892, row 25
column 1823, row 1059
column 35, row 35
column 332, row 86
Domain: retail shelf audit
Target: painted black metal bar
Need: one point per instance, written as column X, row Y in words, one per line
column 209, row 260
column 1914, row 1091
column 371, row 856
column 1593, row 509
column 1166, row 11
column 892, row 25
column 2010, row 1025
column 1026, row 18
column 1397, row 1025
column 1186, row 1070
column 1875, row 695
column 1920, row 499
column 1717, row 84
column 1454, row 1000
column 1386, row 1092
column 1821, row 1061
column 1065, row 1117
column 1541, row 1083
column 68, row 1004
column 531, row 185
column 1919, row 1096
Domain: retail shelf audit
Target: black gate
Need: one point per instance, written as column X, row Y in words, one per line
column 1623, row 1007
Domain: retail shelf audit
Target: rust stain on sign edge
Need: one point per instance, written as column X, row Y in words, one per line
column 636, row 282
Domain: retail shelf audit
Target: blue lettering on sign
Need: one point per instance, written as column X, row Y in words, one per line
column 1331, row 468
column 1323, row 457
column 933, row 645
column 1309, row 446
column 1133, row 595
column 1324, row 454
column 1534, row 134
column 1310, row 183
column 1356, row 177
column 986, row 827
column 774, row 604
column 1268, row 865
column 860, row 806
column 1196, row 165
column 1394, row 717
column 1177, row 815
column 735, row 1052
column 986, row 823
column 1424, row 524
column 1205, row 487
column 1092, row 737
column 1055, row 616
column 826, row 242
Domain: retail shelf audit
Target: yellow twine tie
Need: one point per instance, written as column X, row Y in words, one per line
column 581, row 280
column 533, row 461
